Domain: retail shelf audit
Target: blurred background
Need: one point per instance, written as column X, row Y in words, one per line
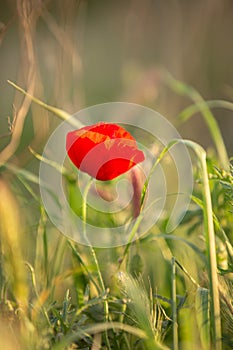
column 76, row 53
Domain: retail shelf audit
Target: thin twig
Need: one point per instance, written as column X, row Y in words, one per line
column 10, row 149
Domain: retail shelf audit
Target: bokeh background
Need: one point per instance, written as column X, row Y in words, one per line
column 73, row 54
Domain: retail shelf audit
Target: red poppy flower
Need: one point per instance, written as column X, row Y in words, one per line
column 103, row 150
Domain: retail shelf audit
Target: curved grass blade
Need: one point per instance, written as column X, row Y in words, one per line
column 57, row 111
column 211, row 122
column 189, row 111
column 98, row 328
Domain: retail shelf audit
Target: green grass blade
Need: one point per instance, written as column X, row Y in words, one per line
column 210, row 247
column 211, row 122
column 57, row 111
column 60, row 168
column 187, row 274
column 158, row 160
column 191, row 110
column 202, row 306
column 182, row 240
column 174, row 306
column 41, row 250
column 98, row 328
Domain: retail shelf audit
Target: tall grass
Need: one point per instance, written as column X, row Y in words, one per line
column 131, row 297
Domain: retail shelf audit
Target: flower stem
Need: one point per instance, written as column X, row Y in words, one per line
column 93, row 254
column 137, row 184
column 84, row 213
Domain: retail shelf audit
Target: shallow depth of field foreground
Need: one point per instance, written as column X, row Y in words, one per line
column 116, row 175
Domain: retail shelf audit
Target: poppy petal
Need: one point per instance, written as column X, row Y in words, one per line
column 103, row 150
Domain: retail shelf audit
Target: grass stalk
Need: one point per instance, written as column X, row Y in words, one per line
column 34, row 284
column 158, row 160
column 203, row 316
column 82, row 263
column 174, row 306
column 210, row 248
column 212, row 262
column 41, row 256
column 57, row 111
